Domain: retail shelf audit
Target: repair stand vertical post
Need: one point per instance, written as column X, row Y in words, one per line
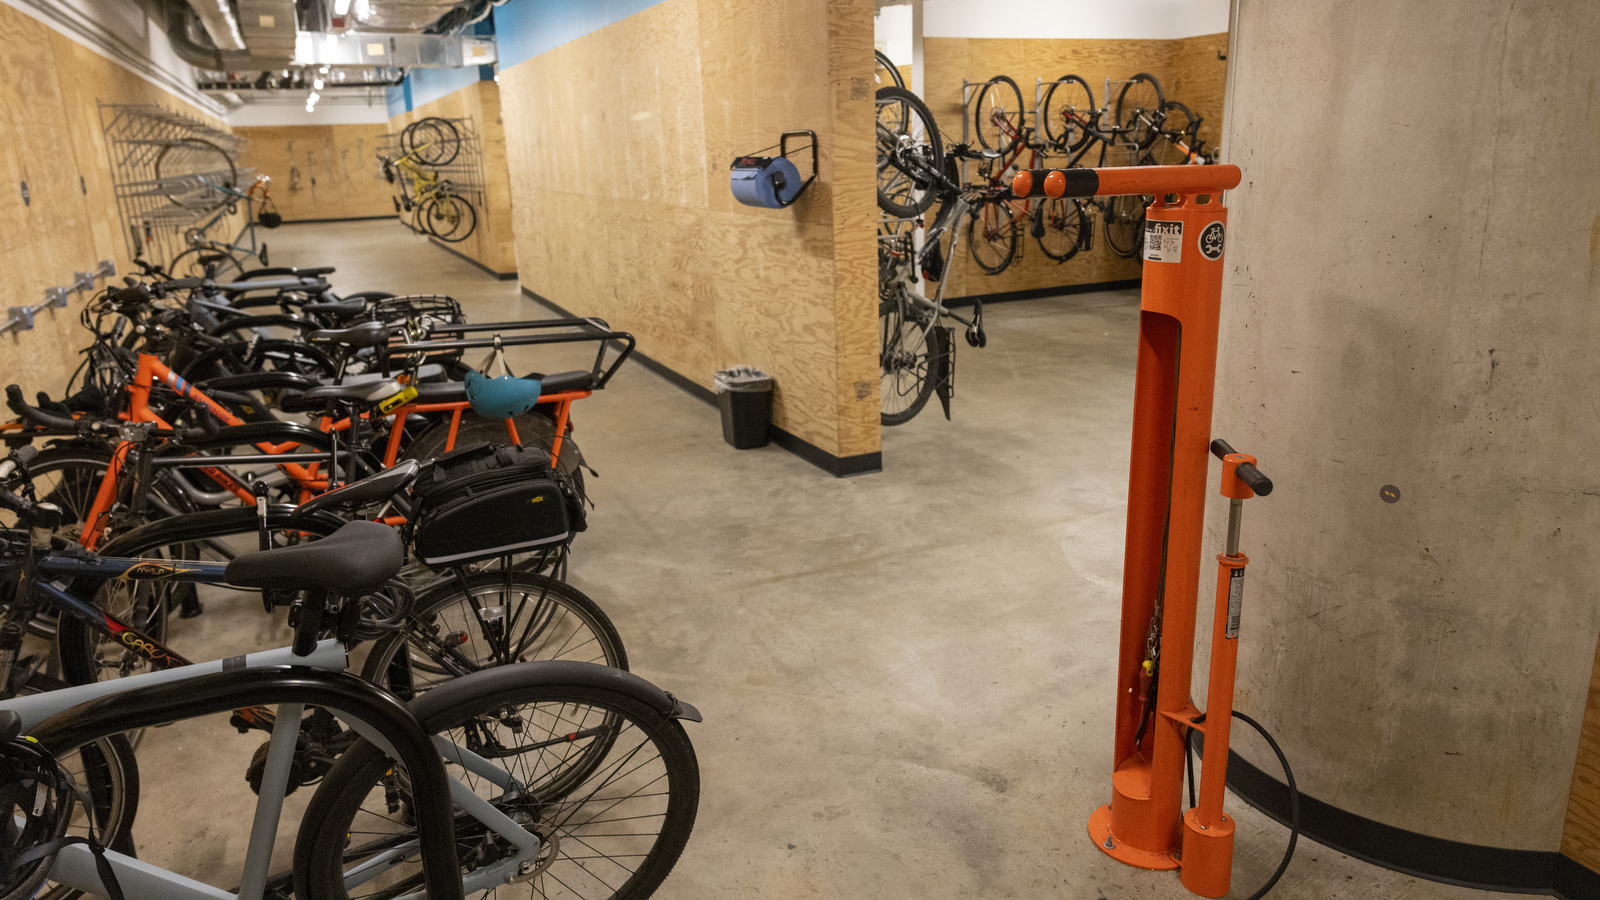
column 1179, row 309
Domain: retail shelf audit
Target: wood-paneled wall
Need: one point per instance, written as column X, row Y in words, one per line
column 321, row 171
column 619, row 148
column 53, row 142
column 491, row 244
column 1188, row 70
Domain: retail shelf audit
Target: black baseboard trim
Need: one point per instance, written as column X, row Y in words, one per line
column 503, row 276
column 1419, row 855
column 1036, row 293
column 343, row 219
column 837, row 466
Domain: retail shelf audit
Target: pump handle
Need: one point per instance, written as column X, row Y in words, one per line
column 1248, row 473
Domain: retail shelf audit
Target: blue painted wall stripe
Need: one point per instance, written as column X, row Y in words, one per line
column 526, row 28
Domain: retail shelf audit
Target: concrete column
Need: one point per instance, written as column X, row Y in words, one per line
column 1412, row 307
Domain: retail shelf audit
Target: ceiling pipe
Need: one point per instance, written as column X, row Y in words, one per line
column 216, row 17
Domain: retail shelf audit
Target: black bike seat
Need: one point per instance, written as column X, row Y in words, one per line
column 315, row 272
column 284, row 283
column 356, row 337
column 565, row 381
column 372, row 489
column 340, row 309
column 363, row 394
column 357, row 559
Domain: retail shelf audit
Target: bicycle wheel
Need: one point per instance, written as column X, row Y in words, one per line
column 909, row 153
column 450, row 218
column 498, row 618
column 1068, row 113
column 886, row 74
column 608, row 783
column 1176, row 142
column 992, row 236
column 431, row 141
column 534, row 429
column 106, row 774
column 1125, row 225
column 204, row 262
column 196, row 174
column 997, row 114
column 1139, row 109
column 905, row 362
column 1063, row 224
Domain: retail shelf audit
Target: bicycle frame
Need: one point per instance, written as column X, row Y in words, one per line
column 67, row 718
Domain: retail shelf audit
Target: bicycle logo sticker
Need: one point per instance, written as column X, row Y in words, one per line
column 1163, row 241
column 1211, row 239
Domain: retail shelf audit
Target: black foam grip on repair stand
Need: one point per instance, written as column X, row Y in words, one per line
column 1247, row 472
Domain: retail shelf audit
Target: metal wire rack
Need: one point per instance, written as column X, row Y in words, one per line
column 465, row 172
column 168, row 173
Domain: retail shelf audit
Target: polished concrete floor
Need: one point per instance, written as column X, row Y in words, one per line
column 906, row 676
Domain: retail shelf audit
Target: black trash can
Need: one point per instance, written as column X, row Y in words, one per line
column 745, row 397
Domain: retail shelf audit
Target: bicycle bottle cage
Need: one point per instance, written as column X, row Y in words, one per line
column 772, row 182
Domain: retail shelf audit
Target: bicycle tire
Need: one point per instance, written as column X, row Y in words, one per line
column 906, row 160
column 432, row 141
column 565, row 625
column 82, row 659
column 992, row 236
column 905, row 372
column 1062, row 223
column 107, row 770
column 1178, row 124
column 884, row 63
column 1064, row 117
column 203, row 160
column 335, row 830
column 453, row 210
column 1139, row 118
column 1124, row 225
column 192, row 263
column 999, row 128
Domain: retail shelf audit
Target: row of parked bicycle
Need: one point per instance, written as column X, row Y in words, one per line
column 340, row 457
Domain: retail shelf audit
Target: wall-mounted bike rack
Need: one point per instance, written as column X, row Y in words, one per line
column 136, row 135
column 465, row 172
column 20, row 318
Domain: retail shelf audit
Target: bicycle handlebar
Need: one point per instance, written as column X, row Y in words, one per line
column 1247, row 472
column 36, row 416
column 1124, row 180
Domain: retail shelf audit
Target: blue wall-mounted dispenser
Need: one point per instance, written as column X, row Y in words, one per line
column 772, row 182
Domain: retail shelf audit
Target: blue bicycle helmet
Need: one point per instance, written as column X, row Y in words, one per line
column 503, row 397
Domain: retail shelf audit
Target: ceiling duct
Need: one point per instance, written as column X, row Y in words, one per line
column 216, row 17
column 399, row 15
column 364, row 48
column 269, row 30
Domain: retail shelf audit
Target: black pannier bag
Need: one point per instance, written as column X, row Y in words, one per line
column 487, row 500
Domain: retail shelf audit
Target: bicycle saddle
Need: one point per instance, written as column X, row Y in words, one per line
column 338, row 309
column 357, row 559
column 356, row 337
column 287, row 283
column 372, row 489
column 367, row 393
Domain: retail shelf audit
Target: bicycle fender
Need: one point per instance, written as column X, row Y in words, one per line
column 439, row 701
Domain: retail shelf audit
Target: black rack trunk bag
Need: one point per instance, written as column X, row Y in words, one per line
column 487, row 500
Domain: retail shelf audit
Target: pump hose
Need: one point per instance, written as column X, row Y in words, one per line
column 1294, row 794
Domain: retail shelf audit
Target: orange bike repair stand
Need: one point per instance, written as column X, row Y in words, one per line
column 1144, row 825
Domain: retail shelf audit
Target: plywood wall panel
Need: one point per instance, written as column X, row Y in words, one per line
column 619, row 144
column 1187, row 69
column 321, row 171
column 52, row 130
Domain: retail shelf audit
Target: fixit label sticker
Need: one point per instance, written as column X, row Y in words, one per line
column 1163, row 241
column 1211, row 239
